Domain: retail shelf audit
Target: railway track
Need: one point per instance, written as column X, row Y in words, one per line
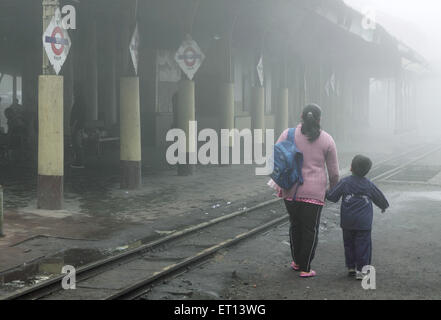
column 129, row 274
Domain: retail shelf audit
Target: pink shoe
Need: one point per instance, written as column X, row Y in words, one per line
column 295, row 266
column 311, row 274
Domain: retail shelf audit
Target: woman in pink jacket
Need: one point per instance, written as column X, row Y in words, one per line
column 319, row 152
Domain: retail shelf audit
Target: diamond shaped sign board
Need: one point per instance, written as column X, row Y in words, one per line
column 189, row 58
column 56, row 43
column 260, row 72
column 134, row 48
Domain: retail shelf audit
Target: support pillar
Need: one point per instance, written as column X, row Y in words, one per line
column 130, row 127
column 226, row 113
column 51, row 129
column 399, row 104
column 1, row 210
column 30, row 99
column 109, row 84
column 282, row 114
column 258, row 108
column 346, row 92
column 14, row 87
column 186, row 113
column 50, row 143
column 91, row 72
column 108, row 94
column 68, row 90
column 226, row 110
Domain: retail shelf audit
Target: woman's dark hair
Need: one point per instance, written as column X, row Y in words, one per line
column 311, row 122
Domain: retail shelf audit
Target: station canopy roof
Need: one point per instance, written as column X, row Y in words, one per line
column 306, row 27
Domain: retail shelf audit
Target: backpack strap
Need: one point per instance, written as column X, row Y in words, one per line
column 292, row 135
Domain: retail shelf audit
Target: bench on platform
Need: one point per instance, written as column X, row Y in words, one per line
column 103, row 141
column 97, row 136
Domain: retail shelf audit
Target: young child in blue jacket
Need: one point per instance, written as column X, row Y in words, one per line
column 358, row 193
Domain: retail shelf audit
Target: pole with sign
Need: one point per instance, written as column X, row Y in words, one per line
column 56, row 45
column 130, row 116
column 189, row 57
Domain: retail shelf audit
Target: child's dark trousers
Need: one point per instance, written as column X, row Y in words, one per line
column 358, row 248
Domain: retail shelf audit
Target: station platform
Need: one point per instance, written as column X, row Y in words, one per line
column 406, row 245
column 100, row 219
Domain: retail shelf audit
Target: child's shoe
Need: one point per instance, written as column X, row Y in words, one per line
column 352, row 272
column 359, row 276
column 310, row 274
column 295, row 266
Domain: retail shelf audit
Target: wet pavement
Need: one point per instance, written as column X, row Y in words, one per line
column 406, row 256
column 99, row 219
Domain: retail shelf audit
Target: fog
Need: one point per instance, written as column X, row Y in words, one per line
column 418, row 25
column 137, row 143
column 415, row 23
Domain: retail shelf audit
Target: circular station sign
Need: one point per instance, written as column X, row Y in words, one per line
column 189, row 58
column 57, row 42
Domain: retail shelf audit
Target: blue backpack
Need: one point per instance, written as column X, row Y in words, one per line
column 288, row 163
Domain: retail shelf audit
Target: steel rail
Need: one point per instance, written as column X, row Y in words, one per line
column 138, row 289
column 89, row 270
column 390, row 173
column 83, row 273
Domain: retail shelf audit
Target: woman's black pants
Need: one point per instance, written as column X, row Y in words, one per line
column 304, row 231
